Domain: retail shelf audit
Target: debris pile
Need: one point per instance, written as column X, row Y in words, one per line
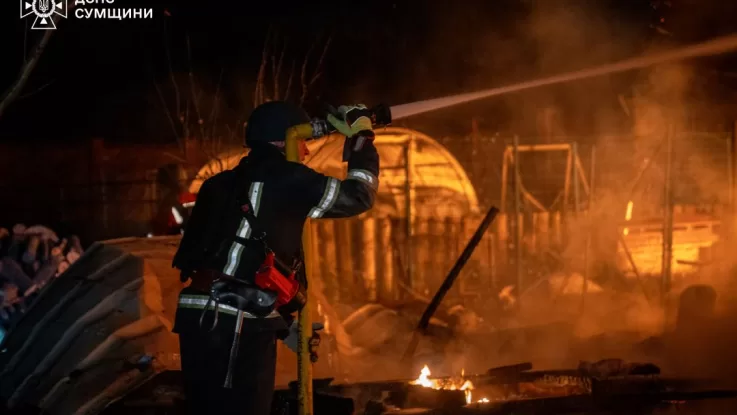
column 461, row 383
column 606, row 385
column 30, row 258
column 495, row 386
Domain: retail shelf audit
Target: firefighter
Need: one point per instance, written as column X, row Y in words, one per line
column 176, row 201
column 180, row 212
column 219, row 243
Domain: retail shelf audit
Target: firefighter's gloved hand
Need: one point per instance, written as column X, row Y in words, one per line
column 292, row 340
column 352, row 120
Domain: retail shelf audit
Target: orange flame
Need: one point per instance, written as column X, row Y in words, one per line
column 465, row 385
column 628, row 216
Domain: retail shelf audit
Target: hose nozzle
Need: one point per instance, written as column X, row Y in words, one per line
column 381, row 116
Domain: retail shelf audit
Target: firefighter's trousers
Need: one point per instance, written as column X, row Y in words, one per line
column 205, row 356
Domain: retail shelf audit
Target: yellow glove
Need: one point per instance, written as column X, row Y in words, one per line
column 355, row 119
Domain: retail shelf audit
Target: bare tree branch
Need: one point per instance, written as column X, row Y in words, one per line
column 174, row 120
column 258, row 95
column 290, row 80
column 210, row 141
column 175, row 157
column 214, row 138
column 193, row 92
column 307, row 79
column 318, row 69
column 303, row 74
column 37, row 90
column 12, row 93
column 169, row 117
column 275, row 93
column 216, row 98
column 307, row 85
column 277, row 71
column 185, row 119
column 274, row 75
column 177, row 95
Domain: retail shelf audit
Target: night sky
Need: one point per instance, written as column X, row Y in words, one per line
column 97, row 77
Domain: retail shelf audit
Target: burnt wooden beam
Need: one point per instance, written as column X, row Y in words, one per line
column 415, row 396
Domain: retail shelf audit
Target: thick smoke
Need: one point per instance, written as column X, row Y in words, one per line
column 627, row 117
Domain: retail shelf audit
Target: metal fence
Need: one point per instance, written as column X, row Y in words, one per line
column 374, row 258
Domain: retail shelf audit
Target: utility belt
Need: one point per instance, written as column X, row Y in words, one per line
column 273, row 288
column 202, row 280
column 200, row 301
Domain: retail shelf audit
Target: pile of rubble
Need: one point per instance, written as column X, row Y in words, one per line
column 30, row 258
column 606, row 386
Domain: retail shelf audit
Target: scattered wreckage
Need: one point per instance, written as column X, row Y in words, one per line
column 609, row 386
column 98, row 342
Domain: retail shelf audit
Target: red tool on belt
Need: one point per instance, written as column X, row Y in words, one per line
column 275, row 276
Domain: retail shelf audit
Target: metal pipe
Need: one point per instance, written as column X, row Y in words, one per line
column 387, row 261
column 369, row 258
column 448, row 282
column 632, row 263
column 667, row 217
column 530, row 198
column 517, row 217
column 505, row 173
column 730, row 173
column 581, row 174
column 304, row 365
column 733, row 173
column 566, row 193
column 539, row 147
column 408, row 211
column 576, row 200
column 589, row 208
column 727, row 217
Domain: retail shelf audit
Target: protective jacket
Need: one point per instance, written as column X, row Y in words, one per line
column 283, row 195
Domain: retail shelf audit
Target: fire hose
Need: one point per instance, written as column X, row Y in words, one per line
column 317, row 128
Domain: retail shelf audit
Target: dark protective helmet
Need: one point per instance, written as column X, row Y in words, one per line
column 269, row 122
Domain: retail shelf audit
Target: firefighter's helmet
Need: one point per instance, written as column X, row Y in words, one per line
column 269, row 122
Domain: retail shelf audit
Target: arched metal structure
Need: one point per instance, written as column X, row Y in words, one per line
column 438, row 185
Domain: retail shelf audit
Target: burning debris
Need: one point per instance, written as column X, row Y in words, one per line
column 453, row 384
column 505, row 383
column 609, row 384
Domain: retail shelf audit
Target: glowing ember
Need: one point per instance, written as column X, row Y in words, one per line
column 628, row 216
column 448, row 384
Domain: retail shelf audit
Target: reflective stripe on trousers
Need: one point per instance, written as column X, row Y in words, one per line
column 200, row 301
